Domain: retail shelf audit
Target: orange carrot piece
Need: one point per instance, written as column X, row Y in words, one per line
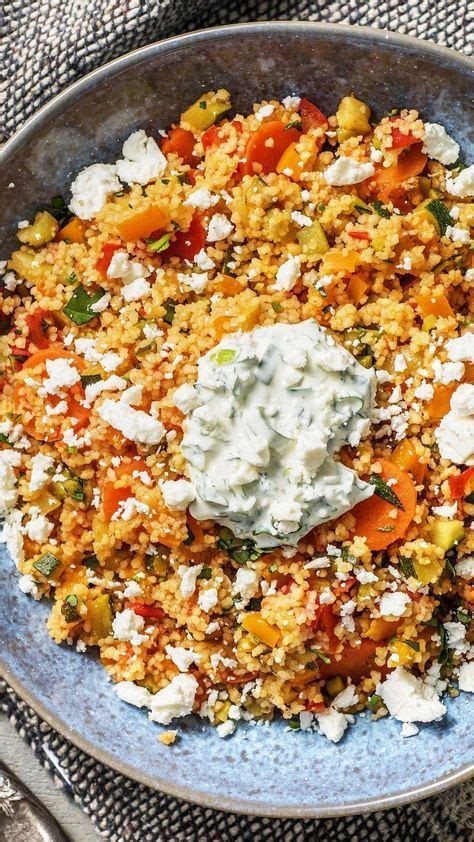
column 181, row 142
column 290, row 162
column 266, row 146
column 439, row 405
column 74, row 231
column 356, row 288
column 372, row 516
column 410, row 163
column 435, row 305
column 112, row 495
column 142, row 224
column 355, row 661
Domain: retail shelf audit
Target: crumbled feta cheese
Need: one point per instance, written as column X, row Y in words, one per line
column 445, row 511
column 201, row 198
column 383, row 376
column 317, row 563
column 291, row 102
column 136, row 290
column 62, row 374
column 8, row 491
column 186, row 398
column 264, row 111
column 410, row 699
column 245, row 585
column 142, row 159
column 10, row 281
column 177, row 494
column 132, row 589
column 346, row 170
column 133, row 694
column 301, row 219
column 12, row 536
column 219, row 228
column 409, row 729
column 462, row 184
column 208, row 599
column 38, row 528
column 86, row 348
column 326, row 597
column 28, row 585
column 399, row 363
column 127, row 625
column 287, row 274
column 465, row 568
column 332, row 724
column 91, row 189
column 197, row 281
column 40, row 465
column 457, row 234
column 365, row 577
column 376, row 155
column 437, row 144
column 130, row 507
column 225, row 729
column 466, row 677
column 181, row 657
column 174, row 700
column 135, row 424
column 424, row 392
column 346, row 698
column 203, row 261
column 461, row 349
column 456, row 637
column 111, row 384
column 286, row 515
column 102, row 304
column 394, row 604
column 188, row 576
column 455, row 433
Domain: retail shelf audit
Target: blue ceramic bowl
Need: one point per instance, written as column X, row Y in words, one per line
column 261, row 770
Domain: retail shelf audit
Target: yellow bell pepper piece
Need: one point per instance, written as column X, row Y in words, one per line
column 405, row 655
column 254, row 623
column 380, row 629
column 352, row 118
column 100, row 616
column 204, row 112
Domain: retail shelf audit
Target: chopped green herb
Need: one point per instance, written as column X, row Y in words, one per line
column 321, row 207
column 206, row 573
column 241, row 551
column 91, row 561
column 463, row 616
column 89, row 379
column 273, row 567
column 71, row 450
column 47, row 564
column 203, row 104
column 276, row 306
column 170, row 307
column 223, row 357
column 69, row 609
column 4, row 439
column 72, row 278
column 412, row 644
column 320, row 655
column 161, row 244
column 294, row 722
column 374, row 702
column 385, row 491
column 294, row 124
column 226, row 269
column 78, row 308
column 183, row 178
column 470, row 498
column 407, row 567
column 59, row 209
column 380, row 209
column 392, row 113
column 443, row 656
column 441, row 214
column 5, row 324
column 449, row 568
column 254, row 604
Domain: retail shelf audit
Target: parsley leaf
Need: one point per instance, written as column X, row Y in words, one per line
column 385, row 492
column 78, row 308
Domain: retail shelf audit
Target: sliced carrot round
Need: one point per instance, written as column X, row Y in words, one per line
column 387, row 179
column 381, row 522
column 266, row 146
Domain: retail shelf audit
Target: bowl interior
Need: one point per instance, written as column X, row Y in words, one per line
column 260, row 770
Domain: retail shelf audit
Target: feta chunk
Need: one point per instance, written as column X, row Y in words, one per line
column 393, row 604
column 134, row 424
column 461, row 349
column 38, row 528
column 196, row 281
column 287, row 274
column 177, row 494
column 142, row 161
column 174, row 700
column 465, row 568
column 127, row 626
column 181, row 657
column 437, row 144
column 466, row 677
column 133, row 694
column 332, row 724
column 62, row 374
column 12, row 536
column 346, row 170
column 219, row 228
column 208, row 599
column 28, row 585
column 188, row 576
column 455, row 433
column 132, row 589
column 245, row 585
column 409, row 729
column 203, row 261
column 201, row 198
column 92, row 188
column 264, row 111
column 462, row 184
column 410, row 699
column 186, row 398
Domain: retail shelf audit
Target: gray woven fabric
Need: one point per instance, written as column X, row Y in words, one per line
column 44, row 46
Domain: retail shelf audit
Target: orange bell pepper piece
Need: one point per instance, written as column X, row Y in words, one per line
column 439, row 405
column 254, row 623
column 142, row 224
column 335, row 261
column 407, row 458
column 290, row 162
column 356, row 289
column 266, row 146
column 73, row 231
column 435, row 305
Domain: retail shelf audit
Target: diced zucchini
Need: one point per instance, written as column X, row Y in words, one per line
column 25, row 263
column 42, row 230
column 48, row 565
column 204, row 112
column 70, row 609
column 437, row 213
column 70, row 487
column 100, row 616
column 446, row 533
column 313, row 240
column 334, row 686
column 429, row 322
column 352, row 118
column 424, row 184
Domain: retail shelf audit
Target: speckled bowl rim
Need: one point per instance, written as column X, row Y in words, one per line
column 66, row 97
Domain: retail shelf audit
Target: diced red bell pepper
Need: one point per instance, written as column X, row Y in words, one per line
column 459, row 486
column 187, row 244
column 181, row 141
column 108, row 251
column 150, row 612
column 347, row 584
column 359, row 235
column 311, row 116
column 36, row 333
column 400, row 139
column 326, row 620
column 211, row 137
column 315, row 707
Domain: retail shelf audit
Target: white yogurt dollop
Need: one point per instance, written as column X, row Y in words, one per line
column 271, row 408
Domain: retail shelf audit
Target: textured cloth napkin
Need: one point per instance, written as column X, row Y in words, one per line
column 44, row 46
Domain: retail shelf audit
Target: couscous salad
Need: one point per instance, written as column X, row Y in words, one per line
column 237, row 416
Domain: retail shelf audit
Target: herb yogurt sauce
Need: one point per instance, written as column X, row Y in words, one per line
column 269, row 410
